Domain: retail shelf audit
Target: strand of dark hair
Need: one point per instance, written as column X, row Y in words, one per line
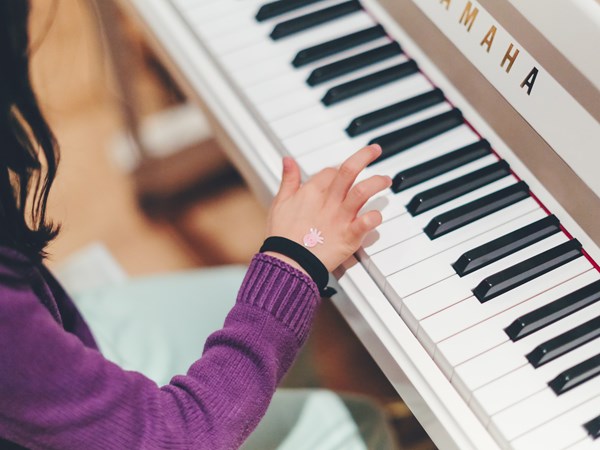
column 29, row 152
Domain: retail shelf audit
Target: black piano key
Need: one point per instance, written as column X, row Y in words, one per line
column 576, row 375
column 317, row 52
column 475, row 210
column 440, row 165
column 390, row 113
column 550, row 313
column 527, row 270
column 274, row 9
column 429, row 199
column 405, row 138
column 506, row 245
column 314, row 19
column 593, row 427
column 352, row 63
column 564, row 343
column 355, row 87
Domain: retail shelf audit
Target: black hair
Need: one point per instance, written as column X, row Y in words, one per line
column 28, row 150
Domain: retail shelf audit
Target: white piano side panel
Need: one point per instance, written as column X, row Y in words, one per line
column 572, row 27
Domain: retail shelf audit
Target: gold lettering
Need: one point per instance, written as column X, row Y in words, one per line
column 489, row 38
column 468, row 16
column 529, row 80
column 510, row 57
column 446, row 2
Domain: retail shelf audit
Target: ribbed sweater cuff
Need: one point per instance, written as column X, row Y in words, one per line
column 280, row 289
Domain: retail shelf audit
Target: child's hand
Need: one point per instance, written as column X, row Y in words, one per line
column 329, row 203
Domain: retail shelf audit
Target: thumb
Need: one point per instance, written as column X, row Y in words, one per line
column 290, row 180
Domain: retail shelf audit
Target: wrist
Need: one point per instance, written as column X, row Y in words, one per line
column 301, row 256
column 287, row 260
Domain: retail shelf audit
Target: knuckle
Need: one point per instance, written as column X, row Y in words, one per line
column 325, row 174
column 348, row 169
column 311, row 191
column 360, row 191
column 329, row 171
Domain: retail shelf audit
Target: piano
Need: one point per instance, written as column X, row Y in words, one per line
column 479, row 295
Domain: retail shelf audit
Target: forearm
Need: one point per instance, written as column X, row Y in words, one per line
column 267, row 327
column 56, row 393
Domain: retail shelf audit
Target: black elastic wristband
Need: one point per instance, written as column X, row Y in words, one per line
column 307, row 260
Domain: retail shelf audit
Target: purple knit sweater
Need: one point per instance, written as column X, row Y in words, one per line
column 58, row 392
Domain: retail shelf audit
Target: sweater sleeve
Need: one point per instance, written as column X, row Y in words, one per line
column 57, row 393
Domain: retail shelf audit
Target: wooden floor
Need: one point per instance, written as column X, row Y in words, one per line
column 95, row 201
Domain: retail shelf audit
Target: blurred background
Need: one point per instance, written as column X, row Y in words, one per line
column 184, row 206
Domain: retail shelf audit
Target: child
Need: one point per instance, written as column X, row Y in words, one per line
column 58, row 391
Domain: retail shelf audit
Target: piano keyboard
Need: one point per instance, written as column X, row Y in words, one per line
column 497, row 291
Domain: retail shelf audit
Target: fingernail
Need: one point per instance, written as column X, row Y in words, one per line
column 377, row 147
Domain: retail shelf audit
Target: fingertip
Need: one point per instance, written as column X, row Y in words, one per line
column 374, row 219
column 371, row 220
column 287, row 163
column 290, row 179
column 377, row 148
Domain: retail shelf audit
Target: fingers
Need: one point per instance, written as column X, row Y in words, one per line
column 363, row 191
column 290, row 180
column 365, row 224
column 350, row 169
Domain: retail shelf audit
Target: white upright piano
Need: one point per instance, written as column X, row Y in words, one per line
column 479, row 295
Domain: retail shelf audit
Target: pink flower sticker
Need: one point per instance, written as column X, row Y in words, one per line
column 312, row 238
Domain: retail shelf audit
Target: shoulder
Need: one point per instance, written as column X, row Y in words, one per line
column 15, row 266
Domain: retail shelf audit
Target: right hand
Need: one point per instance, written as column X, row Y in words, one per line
column 329, row 202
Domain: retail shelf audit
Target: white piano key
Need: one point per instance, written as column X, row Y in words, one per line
column 225, row 27
column 539, row 409
column 362, row 104
column 444, row 143
column 392, row 204
column 490, row 333
column 447, row 322
column 242, row 17
column 509, row 355
column 266, row 80
column 382, row 252
column 286, row 49
column 419, row 247
column 332, row 156
column 234, row 41
column 587, row 443
column 525, row 381
column 454, row 294
column 434, row 267
column 236, row 33
column 285, row 79
column 334, row 132
column 203, row 14
column 188, row 4
column 563, row 432
column 393, row 286
column 298, row 100
column 209, row 11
